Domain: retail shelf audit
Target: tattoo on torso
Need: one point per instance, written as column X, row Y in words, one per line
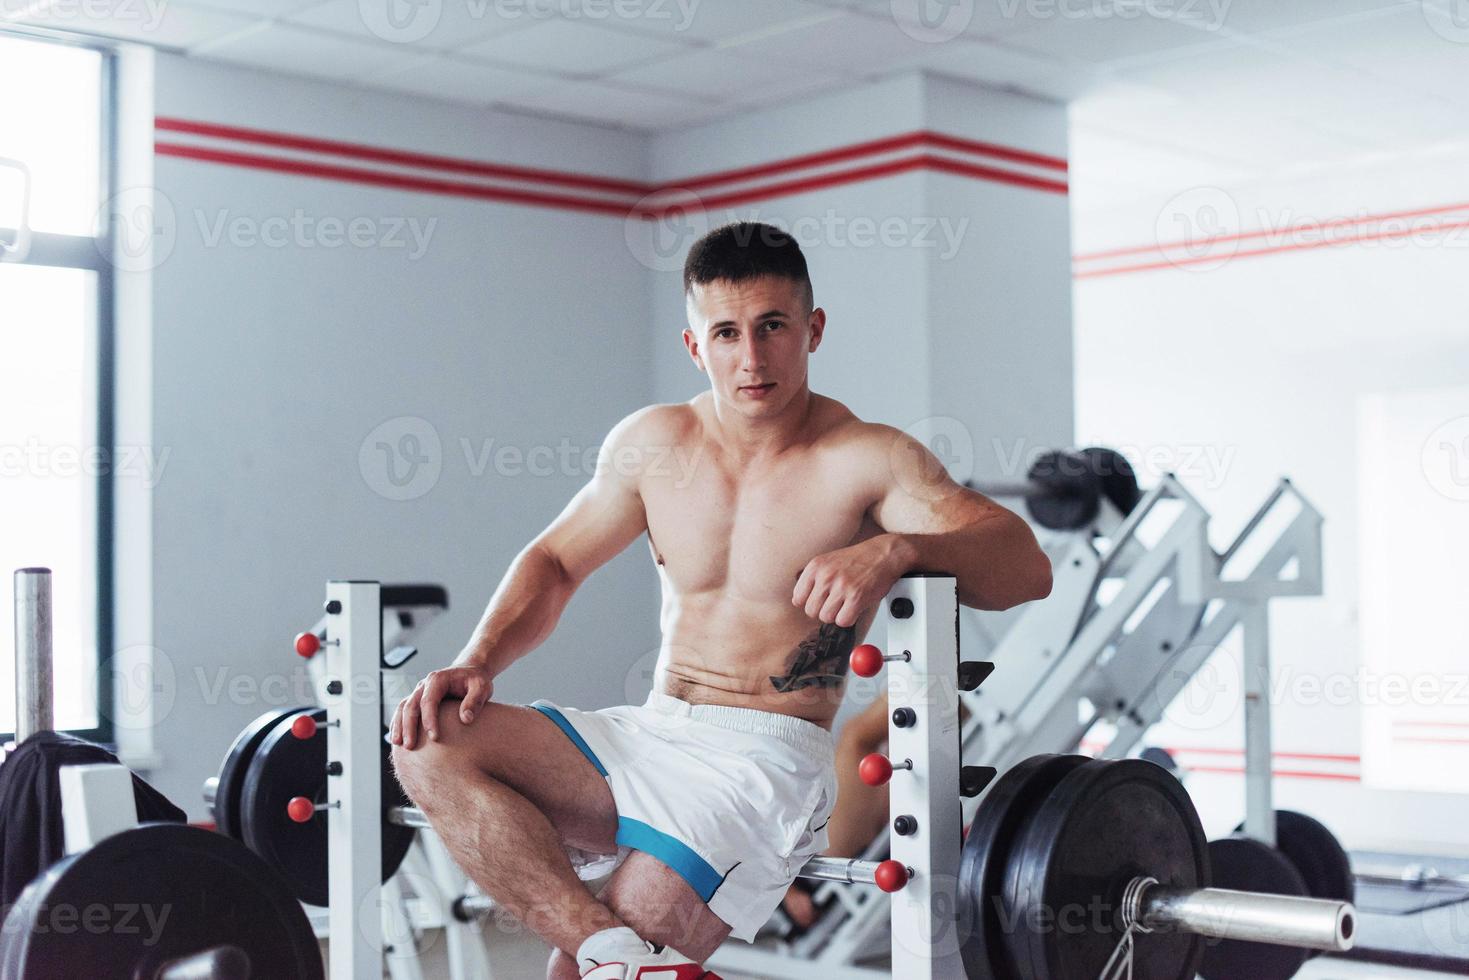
column 820, row 660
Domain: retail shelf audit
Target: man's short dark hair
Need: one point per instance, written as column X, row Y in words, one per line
column 745, row 250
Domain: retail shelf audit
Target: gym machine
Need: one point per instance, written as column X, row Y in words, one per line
column 1140, row 600
column 1060, row 833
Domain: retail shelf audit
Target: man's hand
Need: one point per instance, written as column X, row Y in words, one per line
column 471, row 684
column 838, row 586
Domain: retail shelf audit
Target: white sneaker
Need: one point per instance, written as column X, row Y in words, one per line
column 620, row 954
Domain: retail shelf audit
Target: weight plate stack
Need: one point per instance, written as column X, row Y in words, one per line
column 284, row 767
column 1001, row 818
column 1104, row 824
column 1245, row 864
column 150, row 896
column 236, row 763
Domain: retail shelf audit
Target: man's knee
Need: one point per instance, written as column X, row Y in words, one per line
column 561, row 967
column 431, row 758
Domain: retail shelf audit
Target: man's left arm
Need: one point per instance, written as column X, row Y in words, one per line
column 928, row 523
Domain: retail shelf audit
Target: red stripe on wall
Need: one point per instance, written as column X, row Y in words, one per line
column 360, row 151
column 890, row 144
column 1275, row 250
column 589, row 182
column 1244, row 236
column 1281, row 773
column 380, row 179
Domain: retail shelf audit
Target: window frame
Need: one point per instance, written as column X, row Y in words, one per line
column 90, row 253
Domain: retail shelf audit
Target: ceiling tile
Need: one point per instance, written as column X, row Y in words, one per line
column 259, row 9
column 279, row 47
column 1114, row 36
column 167, row 25
column 1000, row 66
column 706, row 21
column 572, row 47
column 442, row 76
column 845, row 42
column 611, row 105
column 715, row 74
column 441, row 26
column 1260, row 16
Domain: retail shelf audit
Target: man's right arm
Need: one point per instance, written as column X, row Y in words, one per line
column 602, row 519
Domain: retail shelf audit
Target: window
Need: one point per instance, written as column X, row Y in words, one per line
column 56, row 445
column 1414, row 523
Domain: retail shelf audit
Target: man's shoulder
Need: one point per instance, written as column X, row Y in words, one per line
column 655, row 425
column 845, row 430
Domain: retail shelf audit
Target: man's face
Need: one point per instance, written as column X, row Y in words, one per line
column 752, row 339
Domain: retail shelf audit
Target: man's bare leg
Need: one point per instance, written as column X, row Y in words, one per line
column 660, row 907
column 505, row 793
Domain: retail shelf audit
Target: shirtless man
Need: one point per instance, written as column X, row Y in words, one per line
column 774, row 549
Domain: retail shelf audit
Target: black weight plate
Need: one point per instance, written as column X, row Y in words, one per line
column 1245, row 864
column 1001, row 817
column 1119, row 482
column 232, row 771
column 1072, row 492
column 1317, row 854
column 1104, row 824
column 152, row 895
column 284, row 767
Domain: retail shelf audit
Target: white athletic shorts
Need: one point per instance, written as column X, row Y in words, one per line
column 733, row 799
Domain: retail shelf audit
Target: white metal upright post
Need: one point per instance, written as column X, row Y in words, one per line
column 1259, row 798
column 924, row 623
column 353, row 652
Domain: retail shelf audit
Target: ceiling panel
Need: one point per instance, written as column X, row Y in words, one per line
column 845, row 42
column 446, row 77
column 709, row 21
column 1259, row 16
column 161, row 25
column 444, row 26
column 292, row 50
column 715, row 74
column 1114, row 36
column 609, row 104
column 573, row 47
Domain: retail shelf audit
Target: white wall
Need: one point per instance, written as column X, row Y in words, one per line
column 286, row 379
column 1239, row 370
column 271, row 367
